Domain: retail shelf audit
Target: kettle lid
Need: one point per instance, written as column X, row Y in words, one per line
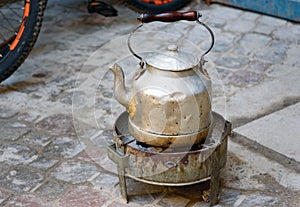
column 171, row 60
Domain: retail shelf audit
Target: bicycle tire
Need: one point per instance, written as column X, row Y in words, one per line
column 156, row 6
column 18, row 47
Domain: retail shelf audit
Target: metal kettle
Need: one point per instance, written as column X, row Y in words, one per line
column 170, row 99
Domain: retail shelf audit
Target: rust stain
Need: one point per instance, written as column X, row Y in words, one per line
column 132, row 108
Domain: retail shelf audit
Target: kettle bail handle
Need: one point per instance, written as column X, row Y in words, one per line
column 171, row 17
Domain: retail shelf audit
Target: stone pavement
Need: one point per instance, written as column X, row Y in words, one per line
column 57, row 111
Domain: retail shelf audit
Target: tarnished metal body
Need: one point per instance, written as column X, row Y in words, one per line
column 170, row 102
column 173, row 167
column 170, row 108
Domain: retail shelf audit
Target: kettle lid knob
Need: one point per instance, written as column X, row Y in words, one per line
column 173, row 48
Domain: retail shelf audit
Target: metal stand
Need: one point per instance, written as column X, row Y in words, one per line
column 215, row 178
column 117, row 154
column 122, row 162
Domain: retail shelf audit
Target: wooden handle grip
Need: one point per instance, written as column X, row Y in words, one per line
column 170, row 17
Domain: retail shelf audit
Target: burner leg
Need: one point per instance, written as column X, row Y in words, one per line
column 122, row 182
column 122, row 162
column 215, row 177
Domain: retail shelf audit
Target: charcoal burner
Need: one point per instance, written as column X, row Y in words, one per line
column 177, row 166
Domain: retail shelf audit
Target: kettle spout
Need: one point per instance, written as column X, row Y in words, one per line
column 119, row 85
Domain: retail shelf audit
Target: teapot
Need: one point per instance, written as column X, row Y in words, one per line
column 170, row 100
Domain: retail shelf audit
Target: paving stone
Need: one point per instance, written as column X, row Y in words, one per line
column 101, row 103
column 14, row 154
column 222, row 73
column 6, row 113
column 238, row 175
column 3, row 168
column 277, row 131
column 194, row 192
column 257, row 66
column 215, row 22
column 64, row 147
column 26, row 87
column 292, row 59
column 272, row 95
column 3, row 196
column 240, row 26
column 264, row 29
column 139, row 188
column 120, row 204
column 172, row 200
column 21, row 179
column 43, row 163
column 74, row 171
column 290, row 33
column 108, row 164
column 98, row 155
column 229, row 196
column 277, row 70
column 249, row 171
column 58, row 124
column 29, row 200
column 65, row 82
column 264, row 19
column 235, row 198
column 224, row 42
column 275, row 53
column 54, row 93
column 83, row 196
column 259, row 200
column 251, row 16
column 143, row 200
column 92, row 155
column 35, row 139
column 10, row 131
column 204, row 204
column 252, row 42
column 227, row 13
column 18, row 125
column 105, row 181
column 51, row 189
column 244, row 78
column 232, row 62
column 107, row 136
column 76, row 96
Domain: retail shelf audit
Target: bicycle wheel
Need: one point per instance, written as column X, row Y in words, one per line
column 156, row 6
column 21, row 21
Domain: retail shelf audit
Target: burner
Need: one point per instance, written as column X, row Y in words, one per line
column 171, row 166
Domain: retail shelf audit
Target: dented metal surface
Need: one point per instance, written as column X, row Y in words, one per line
column 167, row 107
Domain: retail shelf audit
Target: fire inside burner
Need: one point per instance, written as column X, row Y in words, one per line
column 124, row 137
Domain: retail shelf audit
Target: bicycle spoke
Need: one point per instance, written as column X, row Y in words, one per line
column 11, row 12
column 2, row 37
column 14, row 19
column 7, row 20
column 10, row 30
column 16, row 13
